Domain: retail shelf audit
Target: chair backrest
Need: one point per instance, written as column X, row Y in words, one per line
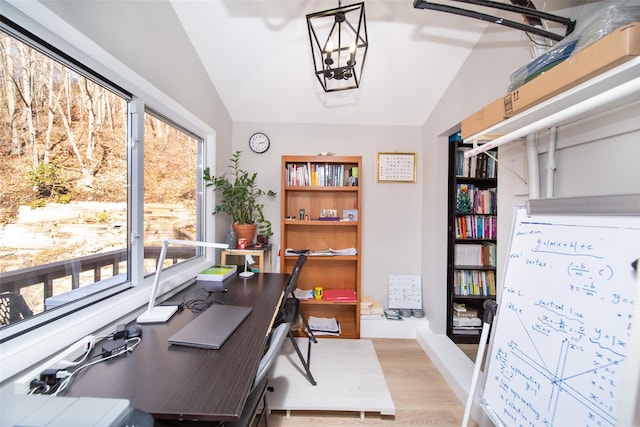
column 13, row 308
column 278, row 336
column 293, row 279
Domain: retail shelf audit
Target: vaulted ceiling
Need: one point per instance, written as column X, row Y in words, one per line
column 258, row 55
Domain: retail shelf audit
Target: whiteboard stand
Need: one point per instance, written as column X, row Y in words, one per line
column 561, row 350
column 489, row 307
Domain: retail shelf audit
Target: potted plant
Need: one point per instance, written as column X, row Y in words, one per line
column 240, row 199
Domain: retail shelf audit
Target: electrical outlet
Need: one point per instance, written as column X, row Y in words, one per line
column 73, row 352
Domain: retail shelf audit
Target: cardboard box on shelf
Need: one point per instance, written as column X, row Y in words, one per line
column 483, row 118
column 602, row 55
column 611, row 50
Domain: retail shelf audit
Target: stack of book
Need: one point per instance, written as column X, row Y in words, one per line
column 466, row 320
column 370, row 309
column 324, row 326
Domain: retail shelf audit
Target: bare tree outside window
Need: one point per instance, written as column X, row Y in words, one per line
column 170, row 159
column 64, row 205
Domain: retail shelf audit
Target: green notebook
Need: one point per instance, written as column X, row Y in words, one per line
column 217, row 273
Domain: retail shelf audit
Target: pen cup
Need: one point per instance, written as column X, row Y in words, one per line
column 317, row 292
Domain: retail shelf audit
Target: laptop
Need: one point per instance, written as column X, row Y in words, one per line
column 212, row 328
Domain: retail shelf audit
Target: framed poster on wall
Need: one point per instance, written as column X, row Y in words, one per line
column 396, row 167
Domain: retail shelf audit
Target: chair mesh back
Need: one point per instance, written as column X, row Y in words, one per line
column 293, row 279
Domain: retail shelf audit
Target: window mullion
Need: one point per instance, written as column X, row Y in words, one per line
column 136, row 188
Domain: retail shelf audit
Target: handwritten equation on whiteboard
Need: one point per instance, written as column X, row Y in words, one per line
column 564, row 321
column 405, row 291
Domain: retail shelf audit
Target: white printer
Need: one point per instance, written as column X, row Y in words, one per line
column 54, row 411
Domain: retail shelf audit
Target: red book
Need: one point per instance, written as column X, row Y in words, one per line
column 345, row 295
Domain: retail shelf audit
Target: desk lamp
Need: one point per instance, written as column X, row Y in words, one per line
column 160, row 314
column 248, row 259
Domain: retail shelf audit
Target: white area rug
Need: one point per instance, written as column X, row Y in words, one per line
column 348, row 374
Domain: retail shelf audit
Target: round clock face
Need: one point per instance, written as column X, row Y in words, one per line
column 259, row 142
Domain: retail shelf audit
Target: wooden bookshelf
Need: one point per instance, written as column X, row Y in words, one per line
column 471, row 256
column 321, row 185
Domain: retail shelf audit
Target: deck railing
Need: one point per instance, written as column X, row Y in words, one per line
column 70, row 270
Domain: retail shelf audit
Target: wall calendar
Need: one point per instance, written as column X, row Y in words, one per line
column 396, row 167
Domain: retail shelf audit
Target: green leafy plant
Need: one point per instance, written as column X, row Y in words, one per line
column 49, row 184
column 240, row 195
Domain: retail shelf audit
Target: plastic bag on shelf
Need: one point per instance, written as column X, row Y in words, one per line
column 612, row 19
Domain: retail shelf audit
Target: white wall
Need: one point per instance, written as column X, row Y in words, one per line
column 390, row 212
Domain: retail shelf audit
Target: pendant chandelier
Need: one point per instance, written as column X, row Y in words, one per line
column 339, row 45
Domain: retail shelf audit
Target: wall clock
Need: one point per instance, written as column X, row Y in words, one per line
column 259, row 142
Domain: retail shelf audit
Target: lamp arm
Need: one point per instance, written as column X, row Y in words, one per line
column 163, row 255
column 156, row 279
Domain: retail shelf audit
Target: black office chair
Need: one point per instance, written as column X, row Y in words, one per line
column 258, row 394
column 13, row 308
column 290, row 312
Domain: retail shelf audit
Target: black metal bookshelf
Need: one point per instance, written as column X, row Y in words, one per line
column 472, row 237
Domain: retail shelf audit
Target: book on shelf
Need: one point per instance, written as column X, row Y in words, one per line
column 334, row 252
column 217, row 273
column 468, row 313
column 466, row 321
column 371, row 316
column 461, row 310
column 319, row 175
column 392, row 315
column 476, row 227
column 464, row 331
column 324, row 326
column 474, row 282
column 483, row 254
column 474, row 200
column 339, row 295
column 370, row 307
column 293, row 252
column 479, row 166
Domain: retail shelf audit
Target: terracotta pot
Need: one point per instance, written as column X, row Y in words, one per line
column 245, row 231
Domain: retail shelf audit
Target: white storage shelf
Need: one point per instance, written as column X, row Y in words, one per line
column 609, row 90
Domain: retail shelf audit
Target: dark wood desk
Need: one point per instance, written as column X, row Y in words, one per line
column 182, row 383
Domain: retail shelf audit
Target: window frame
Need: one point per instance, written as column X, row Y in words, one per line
column 30, row 341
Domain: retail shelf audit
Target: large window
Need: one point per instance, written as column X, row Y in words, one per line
column 170, row 177
column 69, row 177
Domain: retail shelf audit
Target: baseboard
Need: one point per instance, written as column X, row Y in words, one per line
column 454, row 366
column 384, row 328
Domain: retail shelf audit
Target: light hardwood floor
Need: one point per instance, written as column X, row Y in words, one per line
column 420, row 394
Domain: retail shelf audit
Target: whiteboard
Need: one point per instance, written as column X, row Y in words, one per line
column 559, row 344
column 405, row 291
